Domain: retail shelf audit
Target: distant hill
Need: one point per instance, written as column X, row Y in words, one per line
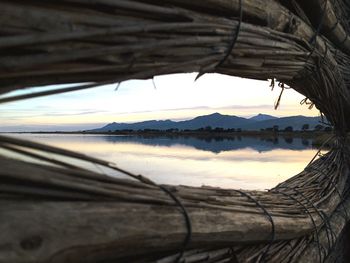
column 153, row 124
column 262, row 117
column 295, row 121
column 217, row 120
column 214, row 120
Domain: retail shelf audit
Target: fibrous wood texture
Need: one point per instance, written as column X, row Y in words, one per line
column 100, row 42
column 55, row 211
column 105, row 218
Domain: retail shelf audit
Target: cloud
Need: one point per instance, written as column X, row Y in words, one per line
column 229, row 107
column 32, row 113
column 48, row 128
column 77, row 113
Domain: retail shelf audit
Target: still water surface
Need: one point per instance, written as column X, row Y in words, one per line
column 240, row 162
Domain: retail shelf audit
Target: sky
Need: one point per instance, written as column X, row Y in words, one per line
column 175, row 97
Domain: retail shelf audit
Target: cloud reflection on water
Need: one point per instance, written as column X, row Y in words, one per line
column 247, row 163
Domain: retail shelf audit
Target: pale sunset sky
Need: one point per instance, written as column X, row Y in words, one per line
column 175, row 97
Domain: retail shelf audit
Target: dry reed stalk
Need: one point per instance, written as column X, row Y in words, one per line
column 219, row 216
column 98, row 42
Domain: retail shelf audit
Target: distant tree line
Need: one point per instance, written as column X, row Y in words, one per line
column 305, row 127
column 175, row 130
column 209, row 129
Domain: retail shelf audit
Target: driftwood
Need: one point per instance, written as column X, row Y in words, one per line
column 143, row 39
column 73, row 214
column 104, row 212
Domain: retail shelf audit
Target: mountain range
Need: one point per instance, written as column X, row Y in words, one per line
column 217, row 120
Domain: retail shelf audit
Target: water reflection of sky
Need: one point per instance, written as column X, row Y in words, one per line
column 247, row 163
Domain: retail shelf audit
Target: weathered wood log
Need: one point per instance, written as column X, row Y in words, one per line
column 323, row 14
column 53, row 196
column 75, row 42
column 77, row 215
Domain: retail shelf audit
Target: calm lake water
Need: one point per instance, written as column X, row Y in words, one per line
column 240, row 162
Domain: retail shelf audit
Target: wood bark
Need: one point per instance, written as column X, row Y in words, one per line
column 71, row 211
